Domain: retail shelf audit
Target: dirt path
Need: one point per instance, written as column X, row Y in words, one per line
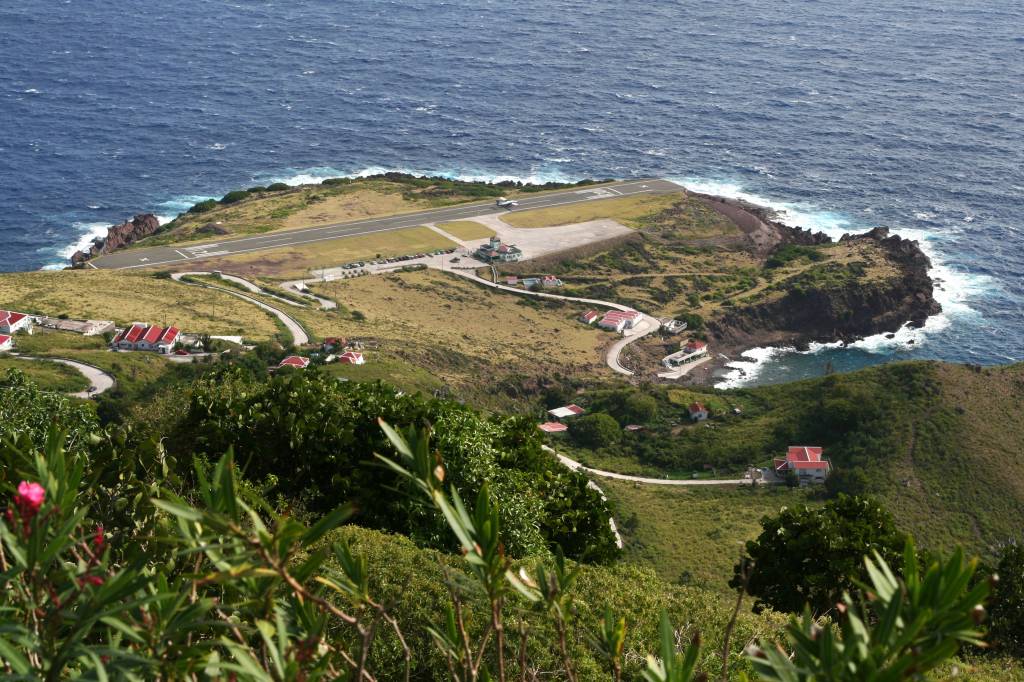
column 299, row 335
column 576, row 466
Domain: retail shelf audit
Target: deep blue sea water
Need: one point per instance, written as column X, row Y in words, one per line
column 843, row 115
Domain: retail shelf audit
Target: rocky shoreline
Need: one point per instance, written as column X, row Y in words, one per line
column 825, row 315
column 118, row 237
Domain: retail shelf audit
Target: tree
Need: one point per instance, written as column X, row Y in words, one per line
column 809, row 556
column 1007, row 620
column 640, row 408
column 596, row 430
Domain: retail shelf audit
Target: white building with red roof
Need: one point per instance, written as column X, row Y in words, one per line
column 352, row 358
column 140, row 336
column 11, row 322
column 619, row 320
column 589, row 317
column 494, row 251
column 806, row 461
column 565, row 412
column 698, row 411
column 296, row 361
column 6, row 343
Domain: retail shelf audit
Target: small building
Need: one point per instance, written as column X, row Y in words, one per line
column 6, row 343
column 560, row 413
column 619, row 320
column 589, row 317
column 633, row 428
column 530, row 282
column 296, row 361
column 333, row 343
column 83, row 327
column 806, row 461
column 698, row 412
column 548, row 281
column 140, row 336
column 11, row 322
column 689, row 352
column 352, row 358
column 494, row 251
column 512, row 280
column 553, row 427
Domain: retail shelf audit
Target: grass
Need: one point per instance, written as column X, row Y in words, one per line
column 394, row 371
column 298, row 261
column 468, row 337
column 129, row 297
column 692, row 535
column 629, row 211
column 467, row 229
column 49, row 376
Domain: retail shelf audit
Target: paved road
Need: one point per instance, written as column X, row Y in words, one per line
column 299, row 335
column 646, row 326
column 180, row 253
column 576, row 466
column 99, row 381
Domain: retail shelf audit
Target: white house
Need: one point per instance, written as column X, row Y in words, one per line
column 589, row 317
column 494, row 251
column 806, row 461
column 141, row 336
column 698, row 412
column 6, row 343
column 693, row 350
column 11, row 322
column 560, row 413
column 618, row 320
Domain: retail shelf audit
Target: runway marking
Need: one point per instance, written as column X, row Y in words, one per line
column 180, row 254
column 91, row 265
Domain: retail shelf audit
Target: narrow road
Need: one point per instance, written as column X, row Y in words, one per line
column 99, row 381
column 646, row 326
column 576, row 466
column 299, row 335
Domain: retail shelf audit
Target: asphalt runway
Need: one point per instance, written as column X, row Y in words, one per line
column 182, row 253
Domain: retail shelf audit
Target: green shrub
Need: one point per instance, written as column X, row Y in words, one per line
column 596, row 430
column 278, row 187
column 203, row 206
column 234, row 197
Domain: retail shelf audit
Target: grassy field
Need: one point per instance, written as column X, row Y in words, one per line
column 380, row 367
column 692, row 535
column 465, row 335
column 49, row 376
column 467, row 229
column 629, row 211
column 129, row 297
column 298, row 261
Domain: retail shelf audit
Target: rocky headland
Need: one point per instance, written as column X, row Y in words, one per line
column 118, row 237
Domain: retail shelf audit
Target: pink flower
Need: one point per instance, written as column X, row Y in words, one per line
column 29, row 499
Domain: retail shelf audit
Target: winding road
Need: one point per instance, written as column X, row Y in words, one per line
column 299, row 335
column 646, row 326
column 576, row 466
column 99, row 381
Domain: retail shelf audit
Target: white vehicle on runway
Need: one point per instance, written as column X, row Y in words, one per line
column 502, row 202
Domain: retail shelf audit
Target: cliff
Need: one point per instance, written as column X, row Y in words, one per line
column 119, row 236
column 835, row 301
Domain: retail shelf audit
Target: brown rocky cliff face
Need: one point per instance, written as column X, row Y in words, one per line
column 837, row 314
column 119, row 236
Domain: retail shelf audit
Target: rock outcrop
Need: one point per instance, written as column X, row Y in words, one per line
column 118, row 237
column 844, row 308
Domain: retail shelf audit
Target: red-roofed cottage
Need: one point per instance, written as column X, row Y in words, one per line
column 698, row 412
column 589, row 317
column 553, row 427
column 565, row 412
column 140, row 336
column 805, row 461
column 296, row 361
column 6, row 343
column 352, row 358
column 618, row 320
column 11, row 322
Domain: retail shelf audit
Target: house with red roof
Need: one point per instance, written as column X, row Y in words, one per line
column 806, row 461
column 11, row 322
column 698, row 411
column 589, row 317
column 550, row 281
column 689, row 352
column 560, row 413
column 352, row 358
column 619, row 320
column 141, row 336
column 494, row 251
column 6, row 343
column 553, row 427
column 512, row 280
column 296, row 361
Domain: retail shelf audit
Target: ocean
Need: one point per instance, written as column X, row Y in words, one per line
column 842, row 116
